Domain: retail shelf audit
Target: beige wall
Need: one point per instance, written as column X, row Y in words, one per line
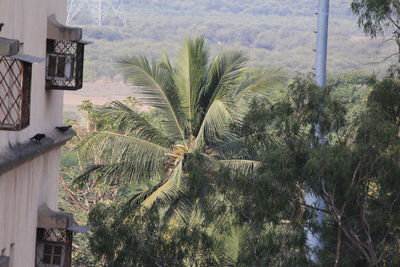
column 26, row 20
column 22, row 191
column 24, row 188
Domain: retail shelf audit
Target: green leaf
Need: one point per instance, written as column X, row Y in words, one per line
column 156, row 88
column 191, row 78
column 242, row 166
column 131, row 122
column 140, row 158
column 169, row 189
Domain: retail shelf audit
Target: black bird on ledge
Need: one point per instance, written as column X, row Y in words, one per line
column 37, row 138
column 63, row 129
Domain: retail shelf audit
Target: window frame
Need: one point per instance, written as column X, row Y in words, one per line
column 73, row 51
column 16, row 86
column 41, row 251
column 69, row 64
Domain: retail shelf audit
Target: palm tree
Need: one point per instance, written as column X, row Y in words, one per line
column 196, row 101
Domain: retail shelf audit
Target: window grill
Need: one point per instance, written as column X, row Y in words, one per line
column 15, row 87
column 53, row 247
column 64, row 66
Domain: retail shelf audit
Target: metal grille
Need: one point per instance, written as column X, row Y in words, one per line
column 15, row 87
column 64, row 66
column 56, row 237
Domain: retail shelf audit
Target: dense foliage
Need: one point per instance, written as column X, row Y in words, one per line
column 355, row 174
column 259, row 219
column 236, row 218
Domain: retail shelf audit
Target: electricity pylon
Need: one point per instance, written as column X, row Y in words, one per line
column 97, row 9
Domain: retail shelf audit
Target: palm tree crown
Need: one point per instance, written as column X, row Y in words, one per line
column 196, row 101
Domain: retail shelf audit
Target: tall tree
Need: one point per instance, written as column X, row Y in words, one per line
column 356, row 172
column 196, row 101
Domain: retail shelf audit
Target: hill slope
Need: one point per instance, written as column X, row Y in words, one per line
column 271, row 31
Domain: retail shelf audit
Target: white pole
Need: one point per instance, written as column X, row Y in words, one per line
column 313, row 240
column 322, row 42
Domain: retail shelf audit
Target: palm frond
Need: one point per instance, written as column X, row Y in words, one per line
column 216, row 100
column 233, row 148
column 118, row 173
column 179, row 210
column 261, row 82
column 167, row 190
column 229, row 242
column 130, row 122
column 234, row 242
column 191, row 77
column 166, row 64
column 196, row 217
column 84, row 178
column 225, row 70
column 156, row 88
column 140, row 158
column 241, row 166
column 215, row 123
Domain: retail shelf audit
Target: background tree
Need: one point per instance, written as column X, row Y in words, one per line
column 355, row 172
column 79, row 201
column 379, row 17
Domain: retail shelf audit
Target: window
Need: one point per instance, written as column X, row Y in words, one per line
column 60, row 67
column 64, row 67
column 52, row 254
column 53, row 247
column 15, row 89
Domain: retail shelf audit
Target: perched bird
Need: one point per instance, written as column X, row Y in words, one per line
column 1, row 26
column 37, row 138
column 63, row 129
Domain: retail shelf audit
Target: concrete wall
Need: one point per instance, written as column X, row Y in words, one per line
column 22, row 191
column 26, row 20
column 24, row 188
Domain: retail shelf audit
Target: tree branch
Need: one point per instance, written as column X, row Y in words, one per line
column 338, row 245
column 315, row 208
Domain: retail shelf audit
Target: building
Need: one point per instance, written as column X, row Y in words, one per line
column 39, row 57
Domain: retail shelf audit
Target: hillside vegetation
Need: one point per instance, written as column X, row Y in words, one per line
column 279, row 33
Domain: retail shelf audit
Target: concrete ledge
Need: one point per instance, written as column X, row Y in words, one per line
column 58, row 31
column 8, row 47
column 20, row 153
column 4, row 261
column 48, row 218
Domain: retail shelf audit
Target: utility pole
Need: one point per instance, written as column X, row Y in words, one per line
column 322, row 43
column 313, row 240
